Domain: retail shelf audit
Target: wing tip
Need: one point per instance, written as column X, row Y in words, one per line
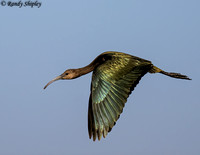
column 96, row 135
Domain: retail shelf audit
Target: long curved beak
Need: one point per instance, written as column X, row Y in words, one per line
column 55, row 79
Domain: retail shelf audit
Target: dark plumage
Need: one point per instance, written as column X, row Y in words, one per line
column 114, row 77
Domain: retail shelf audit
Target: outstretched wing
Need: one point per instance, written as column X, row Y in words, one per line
column 111, row 85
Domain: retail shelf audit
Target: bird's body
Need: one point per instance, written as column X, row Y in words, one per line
column 114, row 77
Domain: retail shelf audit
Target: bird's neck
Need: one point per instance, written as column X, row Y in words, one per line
column 89, row 68
column 84, row 70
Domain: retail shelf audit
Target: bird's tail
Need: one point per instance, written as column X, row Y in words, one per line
column 155, row 69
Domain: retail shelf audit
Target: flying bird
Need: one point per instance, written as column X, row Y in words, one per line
column 115, row 75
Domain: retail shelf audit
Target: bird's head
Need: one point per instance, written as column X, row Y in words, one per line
column 68, row 74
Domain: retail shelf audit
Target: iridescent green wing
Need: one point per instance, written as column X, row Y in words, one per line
column 112, row 83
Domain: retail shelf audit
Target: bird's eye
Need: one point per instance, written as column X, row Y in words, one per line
column 66, row 73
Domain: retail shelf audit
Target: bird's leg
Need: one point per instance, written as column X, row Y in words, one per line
column 174, row 75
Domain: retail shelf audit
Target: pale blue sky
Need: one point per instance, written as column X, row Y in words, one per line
column 162, row 116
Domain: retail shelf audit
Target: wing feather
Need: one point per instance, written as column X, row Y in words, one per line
column 110, row 89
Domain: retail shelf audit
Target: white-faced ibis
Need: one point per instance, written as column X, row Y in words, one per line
column 114, row 77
